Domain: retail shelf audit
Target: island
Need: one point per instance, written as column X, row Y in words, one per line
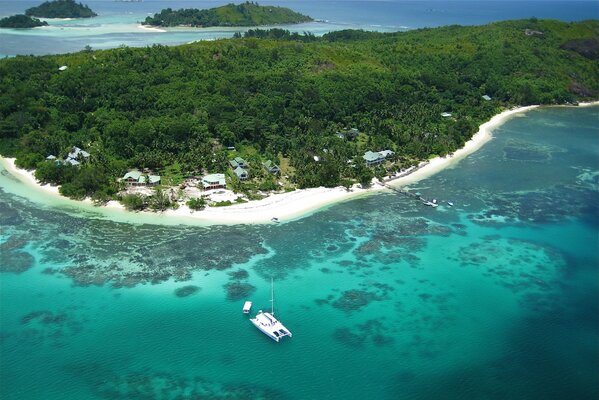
column 245, row 14
column 224, row 122
column 21, row 21
column 60, row 9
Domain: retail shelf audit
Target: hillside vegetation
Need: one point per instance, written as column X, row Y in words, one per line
column 21, row 21
column 245, row 14
column 178, row 108
column 60, row 9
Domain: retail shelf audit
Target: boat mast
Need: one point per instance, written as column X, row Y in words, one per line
column 272, row 296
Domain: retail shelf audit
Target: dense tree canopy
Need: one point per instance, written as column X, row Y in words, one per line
column 61, row 9
column 21, row 21
column 286, row 98
column 245, row 14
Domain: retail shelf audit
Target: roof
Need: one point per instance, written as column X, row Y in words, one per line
column 234, row 163
column 371, row 156
column 72, row 161
column 240, row 172
column 486, row 97
column 446, row 114
column 214, row 179
column 62, row 68
column 141, row 178
column 135, row 175
column 76, row 152
column 51, row 157
column 386, row 153
column 154, row 178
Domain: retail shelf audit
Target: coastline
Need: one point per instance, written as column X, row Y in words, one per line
column 284, row 206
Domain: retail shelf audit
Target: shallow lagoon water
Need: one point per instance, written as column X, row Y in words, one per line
column 493, row 298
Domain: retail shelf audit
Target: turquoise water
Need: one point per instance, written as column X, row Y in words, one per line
column 494, row 298
column 118, row 22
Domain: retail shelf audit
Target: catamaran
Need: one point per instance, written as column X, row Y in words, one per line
column 267, row 322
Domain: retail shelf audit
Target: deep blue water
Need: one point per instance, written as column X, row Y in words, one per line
column 117, row 23
column 494, row 298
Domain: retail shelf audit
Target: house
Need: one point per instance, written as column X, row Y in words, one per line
column 136, row 178
column 214, row 181
column 486, row 97
column 348, row 133
column 376, row 157
column 241, row 173
column 446, row 114
column 532, row 32
column 386, row 153
column 76, row 156
column 238, row 162
column 51, row 158
column 271, row 167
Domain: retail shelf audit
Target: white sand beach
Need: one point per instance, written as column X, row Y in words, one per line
column 151, row 28
column 285, row 206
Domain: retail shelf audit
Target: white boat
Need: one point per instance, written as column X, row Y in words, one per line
column 247, row 306
column 267, row 322
column 450, row 203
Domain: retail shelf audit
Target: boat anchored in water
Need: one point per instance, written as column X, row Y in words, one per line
column 267, row 322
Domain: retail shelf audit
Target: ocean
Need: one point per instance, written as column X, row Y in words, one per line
column 493, row 298
column 118, row 22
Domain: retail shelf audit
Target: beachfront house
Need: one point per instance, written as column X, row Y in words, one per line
column 241, row 173
column 214, row 181
column 376, row 157
column 271, row 167
column 136, row 178
column 238, row 162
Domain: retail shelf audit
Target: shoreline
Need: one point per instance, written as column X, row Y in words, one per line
column 284, row 206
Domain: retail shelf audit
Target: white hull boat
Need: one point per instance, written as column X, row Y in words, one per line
column 268, row 324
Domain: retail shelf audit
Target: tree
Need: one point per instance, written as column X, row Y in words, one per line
column 159, row 200
column 197, row 203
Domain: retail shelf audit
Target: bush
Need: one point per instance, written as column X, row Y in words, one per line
column 134, row 202
column 72, row 191
column 196, row 204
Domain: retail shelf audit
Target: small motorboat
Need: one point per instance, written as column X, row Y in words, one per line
column 450, row 203
column 247, row 306
column 275, row 220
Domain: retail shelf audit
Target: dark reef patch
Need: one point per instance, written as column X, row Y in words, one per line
column 372, row 331
column 186, row 291
column 355, row 299
column 238, row 291
column 239, row 274
column 157, row 385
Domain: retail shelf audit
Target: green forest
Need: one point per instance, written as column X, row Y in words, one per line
column 245, row 14
column 21, row 21
column 61, row 9
column 281, row 96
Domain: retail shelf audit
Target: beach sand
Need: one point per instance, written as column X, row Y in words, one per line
column 285, row 206
column 151, row 28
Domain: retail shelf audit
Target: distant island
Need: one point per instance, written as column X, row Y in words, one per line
column 60, row 9
column 245, row 14
column 21, row 21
